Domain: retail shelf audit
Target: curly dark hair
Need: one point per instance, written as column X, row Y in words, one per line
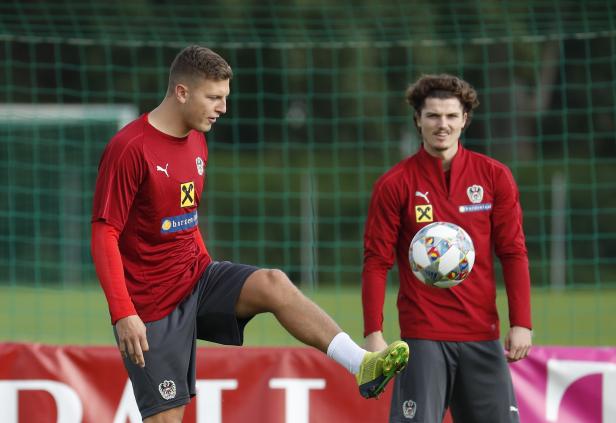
column 442, row 86
column 196, row 61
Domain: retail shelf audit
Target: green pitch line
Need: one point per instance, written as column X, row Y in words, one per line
column 80, row 316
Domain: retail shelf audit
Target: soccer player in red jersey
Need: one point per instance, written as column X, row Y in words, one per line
column 163, row 289
column 457, row 360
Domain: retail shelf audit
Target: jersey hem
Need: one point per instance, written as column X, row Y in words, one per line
column 153, row 316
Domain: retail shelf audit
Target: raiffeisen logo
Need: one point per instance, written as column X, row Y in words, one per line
column 179, row 223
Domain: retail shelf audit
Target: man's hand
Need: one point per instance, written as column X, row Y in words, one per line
column 518, row 343
column 132, row 340
column 375, row 342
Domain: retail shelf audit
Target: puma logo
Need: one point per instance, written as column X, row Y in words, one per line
column 422, row 195
column 163, row 169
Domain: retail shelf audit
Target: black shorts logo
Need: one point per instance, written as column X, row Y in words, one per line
column 409, row 408
column 167, row 389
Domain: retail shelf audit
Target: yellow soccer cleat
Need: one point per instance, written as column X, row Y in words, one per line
column 377, row 368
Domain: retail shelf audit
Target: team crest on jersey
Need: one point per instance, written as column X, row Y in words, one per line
column 200, row 165
column 475, row 193
column 424, row 213
column 167, row 389
column 187, row 194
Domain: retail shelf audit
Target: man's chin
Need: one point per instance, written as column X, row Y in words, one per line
column 443, row 146
column 440, row 147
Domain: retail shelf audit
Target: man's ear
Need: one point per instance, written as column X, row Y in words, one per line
column 181, row 93
column 416, row 119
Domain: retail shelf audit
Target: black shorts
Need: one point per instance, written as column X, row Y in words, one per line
column 168, row 379
column 471, row 378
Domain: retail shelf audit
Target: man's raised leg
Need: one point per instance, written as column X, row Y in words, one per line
column 270, row 290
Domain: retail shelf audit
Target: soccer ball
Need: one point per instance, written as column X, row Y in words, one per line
column 441, row 254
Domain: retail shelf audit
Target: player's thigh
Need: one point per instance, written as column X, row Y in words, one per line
column 483, row 391
column 420, row 391
column 168, row 379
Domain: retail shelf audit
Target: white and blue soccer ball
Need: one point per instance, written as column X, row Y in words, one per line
column 441, row 254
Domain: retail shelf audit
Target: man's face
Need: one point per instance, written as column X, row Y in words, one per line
column 441, row 123
column 204, row 102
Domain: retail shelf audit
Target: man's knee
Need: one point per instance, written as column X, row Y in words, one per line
column 266, row 290
column 277, row 285
column 275, row 276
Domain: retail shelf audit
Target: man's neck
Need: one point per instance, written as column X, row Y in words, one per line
column 446, row 156
column 166, row 119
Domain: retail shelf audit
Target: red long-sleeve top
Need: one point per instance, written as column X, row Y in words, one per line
column 481, row 197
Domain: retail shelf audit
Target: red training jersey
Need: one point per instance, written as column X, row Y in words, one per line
column 482, row 198
column 148, row 188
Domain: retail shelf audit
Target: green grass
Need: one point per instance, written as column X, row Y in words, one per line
column 80, row 316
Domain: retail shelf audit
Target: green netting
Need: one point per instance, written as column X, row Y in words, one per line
column 316, row 114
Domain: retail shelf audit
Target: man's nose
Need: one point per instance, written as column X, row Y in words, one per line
column 222, row 106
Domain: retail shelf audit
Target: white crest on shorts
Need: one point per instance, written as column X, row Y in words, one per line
column 409, row 408
column 167, row 389
column 199, row 162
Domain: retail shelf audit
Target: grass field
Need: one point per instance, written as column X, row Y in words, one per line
column 572, row 317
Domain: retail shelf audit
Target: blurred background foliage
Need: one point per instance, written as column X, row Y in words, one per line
column 316, row 114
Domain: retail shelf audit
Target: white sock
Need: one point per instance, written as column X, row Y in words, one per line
column 345, row 352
